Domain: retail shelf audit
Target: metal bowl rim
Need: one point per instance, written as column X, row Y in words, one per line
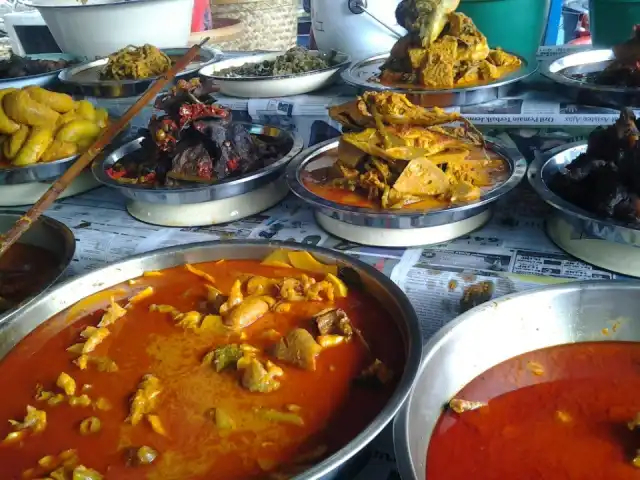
column 546, row 70
column 400, row 446
column 527, row 69
column 52, row 73
column 516, row 161
column 258, row 58
column 557, row 202
column 66, row 75
column 412, row 323
column 99, row 171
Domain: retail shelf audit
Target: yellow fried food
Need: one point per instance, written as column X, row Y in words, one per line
column 58, row 150
column 102, row 117
column 12, row 146
column 78, row 130
column 37, row 143
column 60, row 102
column 7, row 126
column 85, row 110
column 65, row 118
column 23, row 109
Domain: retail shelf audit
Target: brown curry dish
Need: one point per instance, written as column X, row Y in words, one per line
column 394, row 154
column 443, row 49
column 230, row 369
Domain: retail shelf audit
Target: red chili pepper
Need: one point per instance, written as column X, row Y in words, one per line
column 149, row 178
column 233, row 164
column 115, row 174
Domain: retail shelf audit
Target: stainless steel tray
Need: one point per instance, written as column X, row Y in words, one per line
column 43, row 171
column 194, row 193
column 363, row 75
column 399, row 218
column 497, row 331
column 46, row 233
column 41, row 80
column 19, row 324
column 539, row 175
column 582, row 91
column 85, row 80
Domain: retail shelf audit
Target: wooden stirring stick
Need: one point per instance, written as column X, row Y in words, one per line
column 50, row 196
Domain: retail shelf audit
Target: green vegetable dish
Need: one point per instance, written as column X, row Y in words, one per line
column 294, row 61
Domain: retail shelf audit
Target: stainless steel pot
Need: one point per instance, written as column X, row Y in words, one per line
column 17, row 325
column 46, row 233
column 499, row 330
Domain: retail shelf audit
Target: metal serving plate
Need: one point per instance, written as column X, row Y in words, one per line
column 84, row 79
column 497, row 331
column 363, row 75
column 41, row 80
column 42, row 171
column 19, row 324
column 545, row 167
column 274, row 86
column 398, row 218
column 46, row 233
column 198, row 193
column 585, row 92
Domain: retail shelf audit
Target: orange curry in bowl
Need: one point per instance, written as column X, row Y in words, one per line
column 234, row 369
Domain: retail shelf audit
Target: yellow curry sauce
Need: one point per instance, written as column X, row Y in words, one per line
column 318, row 180
column 150, row 389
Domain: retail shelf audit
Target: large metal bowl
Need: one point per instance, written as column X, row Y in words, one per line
column 197, row 193
column 17, row 325
column 498, row 330
column 400, row 218
column 46, row 233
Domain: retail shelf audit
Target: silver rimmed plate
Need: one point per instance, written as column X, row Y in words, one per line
column 190, row 193
column 570, row 75
column 608, row 244
column 274, row 86
column 42, row 79
column 84, row 79
column 364, row 75
column 398, row 227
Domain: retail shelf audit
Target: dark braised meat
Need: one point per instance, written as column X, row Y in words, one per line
column 16, row 66
column 605, row 180
column 624, row 71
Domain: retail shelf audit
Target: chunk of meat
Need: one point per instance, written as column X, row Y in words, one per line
column 145, row 399
column 376, row 374
column 334, row 321
column 248, row 312
column 94, row 337
column 215, row 299
column 234, row 299
column 261, row 378
column 298, row 348
column 459, row 405
column 113, row 313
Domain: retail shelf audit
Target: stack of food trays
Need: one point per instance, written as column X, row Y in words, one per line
column 442, row 63
column 195, row 166
column 397, row 177
column 276, row 74
column 592, row 187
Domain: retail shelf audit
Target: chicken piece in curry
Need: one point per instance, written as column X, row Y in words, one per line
column 394, row 154
column 234, row 370
column 443, row 49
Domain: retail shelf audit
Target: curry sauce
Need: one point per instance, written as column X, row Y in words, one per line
column 171, row 390
column 560, row 413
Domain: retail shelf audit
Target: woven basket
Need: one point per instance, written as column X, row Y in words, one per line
column 269, row 25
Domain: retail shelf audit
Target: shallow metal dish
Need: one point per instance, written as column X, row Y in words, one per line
column 46, row 233
column 363, row 75
column 199, row 193
column 275, row 86
column 400, row 218
column 497, row 331
column 41, row 80
column 43, row 171
column 84, row 79
column 585, row 92
column 19, row 324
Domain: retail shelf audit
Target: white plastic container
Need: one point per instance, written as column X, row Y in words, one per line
column 101, row 27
